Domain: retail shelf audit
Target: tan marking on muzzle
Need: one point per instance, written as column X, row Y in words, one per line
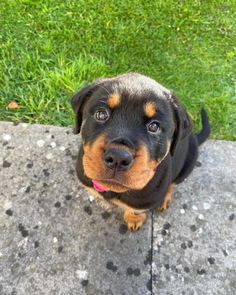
column 136, row 178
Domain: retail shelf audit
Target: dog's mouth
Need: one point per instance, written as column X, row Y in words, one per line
column 104, row 185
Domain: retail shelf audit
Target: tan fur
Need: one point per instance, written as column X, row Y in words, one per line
column 135, row 178
column 168, row 198
column 113, row 101
column 150, row 109
column 134, row 221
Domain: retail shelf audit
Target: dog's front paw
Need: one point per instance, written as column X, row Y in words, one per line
column 168, row 199
column 134, row 221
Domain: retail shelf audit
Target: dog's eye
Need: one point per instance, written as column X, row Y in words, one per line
column 101, row 115
column 153, row 127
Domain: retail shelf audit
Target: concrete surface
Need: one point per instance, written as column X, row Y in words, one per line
column 194, row 248
column 55, row 239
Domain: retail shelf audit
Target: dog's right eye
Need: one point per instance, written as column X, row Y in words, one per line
column 101, row 115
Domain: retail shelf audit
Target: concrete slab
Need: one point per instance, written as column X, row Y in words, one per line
column 54, row 238
column 194, row 244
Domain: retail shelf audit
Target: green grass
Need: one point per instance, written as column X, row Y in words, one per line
column 51, row 48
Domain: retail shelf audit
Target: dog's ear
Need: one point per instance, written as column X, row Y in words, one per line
column 78, row 101
column 183, row 125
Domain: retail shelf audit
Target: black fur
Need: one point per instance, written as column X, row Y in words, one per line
column 128, row 122
column 206, row 130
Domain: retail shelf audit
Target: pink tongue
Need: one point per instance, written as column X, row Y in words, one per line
column 98, row 187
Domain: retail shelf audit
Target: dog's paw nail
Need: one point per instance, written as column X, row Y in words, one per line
column 134, row 221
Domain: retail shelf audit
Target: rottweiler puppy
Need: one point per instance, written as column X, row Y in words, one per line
column 137, row 143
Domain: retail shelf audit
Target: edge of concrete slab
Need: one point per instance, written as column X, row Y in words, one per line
column 58, row 241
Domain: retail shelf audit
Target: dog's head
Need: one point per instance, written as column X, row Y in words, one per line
column 129, row 124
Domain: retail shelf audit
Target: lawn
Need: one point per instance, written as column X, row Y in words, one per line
column 51, row 48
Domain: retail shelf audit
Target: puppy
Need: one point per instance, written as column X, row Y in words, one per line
column 137, row 143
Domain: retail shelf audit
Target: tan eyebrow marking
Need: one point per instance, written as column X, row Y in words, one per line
column 150, row 109
column 114, row 100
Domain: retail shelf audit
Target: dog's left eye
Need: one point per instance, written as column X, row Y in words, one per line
column 101, row 115
column 153, row 127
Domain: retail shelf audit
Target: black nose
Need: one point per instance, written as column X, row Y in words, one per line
column 118, row 159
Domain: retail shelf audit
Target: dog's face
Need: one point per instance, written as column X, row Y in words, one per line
column 128, row 126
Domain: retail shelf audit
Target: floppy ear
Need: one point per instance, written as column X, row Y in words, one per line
column 183, row 125
column 78, row 101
